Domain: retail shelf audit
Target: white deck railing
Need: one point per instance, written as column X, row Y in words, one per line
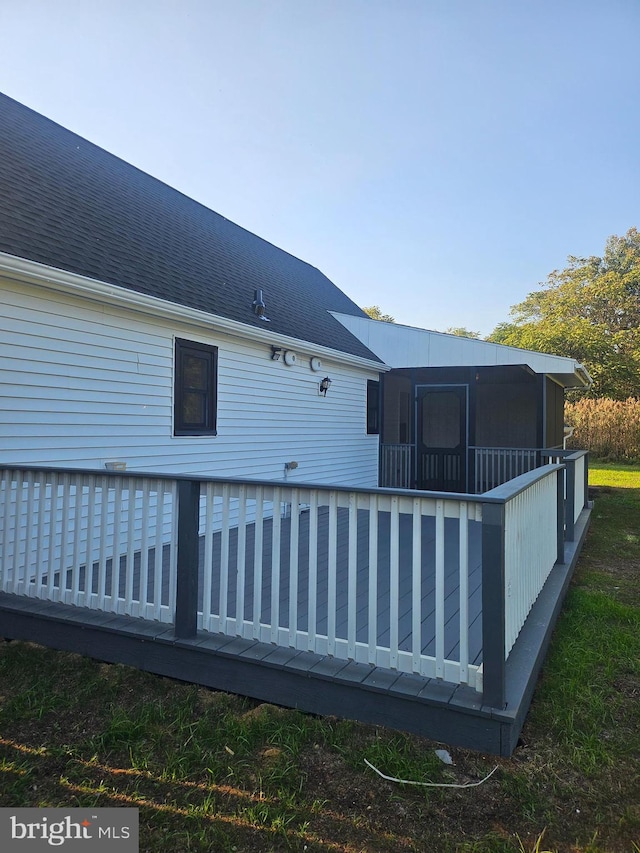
column 372, row 576
column 396, row 471
column 497, row 465
column 336, row 571
column 531, row 550
column 392, row 578
column 89, row 540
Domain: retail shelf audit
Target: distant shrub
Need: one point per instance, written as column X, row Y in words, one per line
column 608, row 429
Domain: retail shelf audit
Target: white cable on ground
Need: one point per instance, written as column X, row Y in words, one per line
column 430, row 784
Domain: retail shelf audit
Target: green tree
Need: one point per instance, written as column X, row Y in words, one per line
column 461, row 332
column 375, row 312
column 590, row 311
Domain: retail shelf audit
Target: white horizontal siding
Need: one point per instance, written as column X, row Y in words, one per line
column 83, row 383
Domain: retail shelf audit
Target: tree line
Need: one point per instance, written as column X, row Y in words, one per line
column 590, row 311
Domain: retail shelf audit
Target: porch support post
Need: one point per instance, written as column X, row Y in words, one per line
column 493, row 605
column 187, row 579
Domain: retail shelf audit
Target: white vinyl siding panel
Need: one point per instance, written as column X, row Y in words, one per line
column 83, row 383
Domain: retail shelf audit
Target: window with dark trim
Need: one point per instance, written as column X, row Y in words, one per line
column 195, row 389
column 373, row 407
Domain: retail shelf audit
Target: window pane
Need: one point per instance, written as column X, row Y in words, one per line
column 195, row 372
column 193, row 409
column 373, row 398
column 195, row 390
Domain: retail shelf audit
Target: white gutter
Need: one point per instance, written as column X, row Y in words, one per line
column 32, row 272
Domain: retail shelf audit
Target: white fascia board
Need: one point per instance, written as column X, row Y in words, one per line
column 408, row 346
column 32, row 272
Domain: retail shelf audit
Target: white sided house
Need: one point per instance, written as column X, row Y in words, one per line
column 214, row 466
column 90, row 378
column 132, row 337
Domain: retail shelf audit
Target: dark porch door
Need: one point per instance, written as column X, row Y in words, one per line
column 441, row 438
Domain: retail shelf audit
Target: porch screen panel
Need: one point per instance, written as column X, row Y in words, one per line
column 441, row 420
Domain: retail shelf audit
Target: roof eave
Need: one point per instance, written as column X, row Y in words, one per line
column 31, row 272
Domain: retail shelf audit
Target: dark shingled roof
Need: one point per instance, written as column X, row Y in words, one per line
column 66, row 203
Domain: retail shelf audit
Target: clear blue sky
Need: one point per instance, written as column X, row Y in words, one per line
column 435, row 157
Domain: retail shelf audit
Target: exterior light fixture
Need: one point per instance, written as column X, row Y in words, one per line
column 276, row 353
column 259, row 307
column 324, row 386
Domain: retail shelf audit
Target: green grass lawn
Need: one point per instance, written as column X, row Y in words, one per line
column 211, row 771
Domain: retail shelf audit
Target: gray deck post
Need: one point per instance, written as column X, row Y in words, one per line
column 493, row 606
column 187, row 574
column 570, row 477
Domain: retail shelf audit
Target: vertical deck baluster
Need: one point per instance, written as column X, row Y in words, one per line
column 223, row 604
column 509, row 511
column 88, row 551
column 241, row 561
column 103, row 536
column 40, row 488
column 394, row 581
column 294, row 569
column 5, row 493
column 464, row 590
column 527, row 579
column 372, row 638
column 77, row 543
column 16, row 583
column 51, row 553
column 312, row 609
column 332, row 560
column 517, row 585
column 207, row 569
column 41, row 573
column 158, row 487
column 143, row 492
column 130, row 608
column 64, row 561
column 30, row 533
column 13, row 534
column 117, row 544
column 352, row 576
column 258, row 563
column 275, row 565
column 416, row 585
column 440, row 589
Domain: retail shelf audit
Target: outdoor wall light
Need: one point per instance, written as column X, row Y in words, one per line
column 276, row 353
column 325, row 384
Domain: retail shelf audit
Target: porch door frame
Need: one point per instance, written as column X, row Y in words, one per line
column 431, row 386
